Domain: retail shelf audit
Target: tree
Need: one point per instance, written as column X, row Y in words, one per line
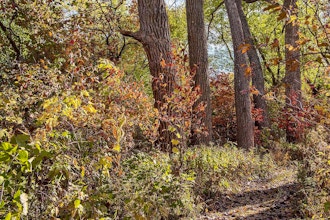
column 198, row 61
column 154, row 35
column 292, row 78
column 245, row 128
column 257, row 73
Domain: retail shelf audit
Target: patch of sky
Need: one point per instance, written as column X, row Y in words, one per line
column 219, row 59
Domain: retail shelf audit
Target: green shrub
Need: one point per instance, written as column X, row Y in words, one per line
column 150, row 190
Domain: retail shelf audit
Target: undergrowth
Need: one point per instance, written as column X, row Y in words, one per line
column 39, row 184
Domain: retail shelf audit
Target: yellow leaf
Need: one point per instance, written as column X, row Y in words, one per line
column 82, row 174
column 178, row 135
column 171, row 128
column 85, row 93
column 175, row 142
column 175, row 150
column 116, row 147
column 67, row 112
column 76, row 203
column 89, row 108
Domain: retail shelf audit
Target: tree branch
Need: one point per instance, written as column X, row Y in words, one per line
column 212, row 17
column 136, row 35
column 11, row 41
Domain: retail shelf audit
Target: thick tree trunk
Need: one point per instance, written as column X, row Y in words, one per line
column 154, row 35
column 245, row 127
column 292, row 80
column 257, row 73
column 198, row 61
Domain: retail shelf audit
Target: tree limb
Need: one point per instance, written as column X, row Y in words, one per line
column 138, row 35
column 212, row 17
column 11, row 41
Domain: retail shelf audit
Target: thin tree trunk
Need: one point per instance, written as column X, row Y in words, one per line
column 198, row 61
column 154, row 35
column 245, row 127
column 292, row 78
column 257, row 73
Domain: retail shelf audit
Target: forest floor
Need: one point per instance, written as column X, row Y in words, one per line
column 275, row 198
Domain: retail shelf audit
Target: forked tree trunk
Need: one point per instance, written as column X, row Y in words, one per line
column 245, row 127
column 292, row 78
column 198, row 61
column 257, row 73
column 154, row 35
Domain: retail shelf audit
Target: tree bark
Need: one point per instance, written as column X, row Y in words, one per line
column 245, row 127
column 198, row 61
column 154, row 35
column 257, row 73
column 292, row 80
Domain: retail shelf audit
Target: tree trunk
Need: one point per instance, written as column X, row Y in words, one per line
column 198, row 61
column 154, row 35
column 292, row 80
column 257, row 73
column 245, row 127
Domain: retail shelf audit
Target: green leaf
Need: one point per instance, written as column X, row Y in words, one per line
column 76, row 203
column 23, row 156
column 2, row 204
column 8, row 216
column 326, row 206
column 65, row 134
column 3, row 133
column 22, row 139
column 2, row 179
column 6, row 146
column 17, row 195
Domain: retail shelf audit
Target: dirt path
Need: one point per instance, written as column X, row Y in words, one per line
column 274, row 199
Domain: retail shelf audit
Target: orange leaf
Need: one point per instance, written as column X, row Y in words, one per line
column 276, row 43
column 248, row 71
column 281, row 16
column 163, row 63
column 244, row 48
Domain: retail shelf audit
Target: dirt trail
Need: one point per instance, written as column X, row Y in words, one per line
column 274, row 199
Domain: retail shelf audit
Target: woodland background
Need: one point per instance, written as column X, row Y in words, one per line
column 149, row 109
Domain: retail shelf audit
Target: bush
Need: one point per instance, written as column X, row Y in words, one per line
column 314, row 174
column 62, row 133
column 227, row 168
column 149, row 189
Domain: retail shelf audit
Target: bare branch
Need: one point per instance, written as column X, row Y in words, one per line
column 212, row 17
column 11, row 40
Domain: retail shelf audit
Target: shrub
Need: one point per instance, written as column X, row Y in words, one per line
column 314, row 174
column 149, row 189
column 225, row 168
column 223, row 106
